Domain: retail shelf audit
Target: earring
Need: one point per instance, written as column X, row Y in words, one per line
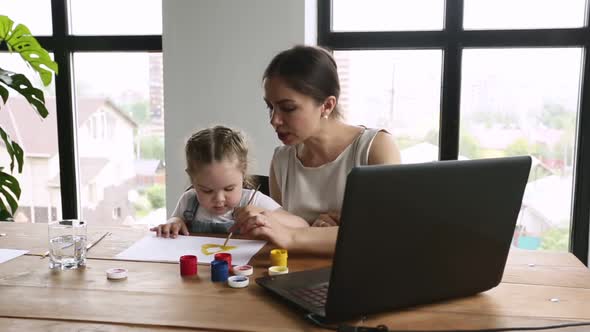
column 325, row 116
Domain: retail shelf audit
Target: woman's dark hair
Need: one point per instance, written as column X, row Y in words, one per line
column 309, row 70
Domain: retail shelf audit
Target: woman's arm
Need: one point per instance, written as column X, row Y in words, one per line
column 316, row 240
column 243, row 214
column 288, row 219
column 383, row 150
column 282, row 215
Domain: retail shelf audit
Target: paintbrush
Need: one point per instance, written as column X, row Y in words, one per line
column 249, row 201
column 90, row 245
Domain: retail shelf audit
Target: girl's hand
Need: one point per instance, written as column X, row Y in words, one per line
column 171, row 229
column 327, row 219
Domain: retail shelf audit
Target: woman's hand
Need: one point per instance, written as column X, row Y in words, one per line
column 327, row 219
column 263, row 226
column 172, row 228
column 247, row 212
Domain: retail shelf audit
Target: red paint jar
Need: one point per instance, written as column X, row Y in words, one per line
column 188, row 265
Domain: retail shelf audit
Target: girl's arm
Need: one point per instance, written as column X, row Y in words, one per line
column 171, row 228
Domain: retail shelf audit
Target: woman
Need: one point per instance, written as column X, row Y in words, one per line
column 308, row 173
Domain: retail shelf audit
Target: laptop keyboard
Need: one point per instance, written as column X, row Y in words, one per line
column 315, row 296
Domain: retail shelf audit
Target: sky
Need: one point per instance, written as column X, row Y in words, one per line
column 101, row 73
column 377, row 15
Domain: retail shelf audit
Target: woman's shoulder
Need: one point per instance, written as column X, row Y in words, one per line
column 282, row 152
column 373, row 132
column 284, row 148
column 382, row 148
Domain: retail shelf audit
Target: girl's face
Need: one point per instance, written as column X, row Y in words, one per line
column 218, row 186
column 294, row 116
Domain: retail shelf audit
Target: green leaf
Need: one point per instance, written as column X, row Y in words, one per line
column 9, row 193
column 5, row 27
column 5, row 216
column 14, row 150
column 21, row 84
column 19, row 154
column 4, row 94
column 21, row 40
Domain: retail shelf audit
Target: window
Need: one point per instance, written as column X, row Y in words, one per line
column 387, row 15
column 484, row 79
column 97, row 125
column 118, row 94
column 88, row 17
column 121, row 135
column 524, row 102
column 35, row 14
column 39, row 180
column 523, row 14
column 403, row 97
column 117, row 213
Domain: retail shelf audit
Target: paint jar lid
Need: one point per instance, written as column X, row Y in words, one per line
column 117, row 273
column 279, row 252
column 243, row 270
column 238, row 281
column 276, row 270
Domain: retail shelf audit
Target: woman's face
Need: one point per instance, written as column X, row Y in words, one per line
column 294, row 116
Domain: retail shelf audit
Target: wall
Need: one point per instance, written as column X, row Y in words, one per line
column 214, row 55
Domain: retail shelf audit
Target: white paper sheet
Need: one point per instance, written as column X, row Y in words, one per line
column 152, row 248
column 8, row 254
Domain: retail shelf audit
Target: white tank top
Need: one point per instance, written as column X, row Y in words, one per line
column 309, row 191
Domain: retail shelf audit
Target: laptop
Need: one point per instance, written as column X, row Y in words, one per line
column 413, row 234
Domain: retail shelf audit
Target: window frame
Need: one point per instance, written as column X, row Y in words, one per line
column 452, row 40
column 63, row 45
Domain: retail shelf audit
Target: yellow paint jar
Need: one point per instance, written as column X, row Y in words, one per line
column 278, row 257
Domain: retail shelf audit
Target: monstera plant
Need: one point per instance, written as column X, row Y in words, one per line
column 19, row 39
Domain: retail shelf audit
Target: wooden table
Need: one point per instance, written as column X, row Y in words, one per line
column 155, row 298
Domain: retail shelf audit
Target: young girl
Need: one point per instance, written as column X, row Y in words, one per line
column 216, row 162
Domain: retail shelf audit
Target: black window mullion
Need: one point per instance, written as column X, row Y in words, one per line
column 580, row 228
column 324, row 21
column 451, row 82
column 524, row 37
column 114, row 43
column 385, row 40
column 103, row 43
column 66, row 119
